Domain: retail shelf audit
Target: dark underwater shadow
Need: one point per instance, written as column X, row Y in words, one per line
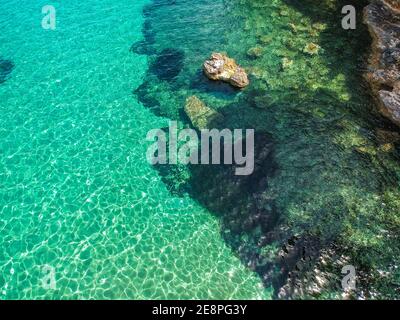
column 168, row 64
column 200, row 83
column 6, row 67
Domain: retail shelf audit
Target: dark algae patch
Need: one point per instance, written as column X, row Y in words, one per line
column 325, row 190
column 6, row 67
column 168, row 64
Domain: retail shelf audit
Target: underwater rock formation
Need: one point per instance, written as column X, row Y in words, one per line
column 221, row 67
column 255, row 52
column 383, row 20
column 311, row 49
column 201, row 116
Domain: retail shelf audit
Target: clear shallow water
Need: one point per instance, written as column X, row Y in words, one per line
column 76, row 192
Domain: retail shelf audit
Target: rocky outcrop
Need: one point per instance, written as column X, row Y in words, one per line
column 394, row 4
column 201, row 116
column 221, row 67
column 383, row 20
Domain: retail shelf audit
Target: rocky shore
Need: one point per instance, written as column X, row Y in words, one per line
column 383, row 20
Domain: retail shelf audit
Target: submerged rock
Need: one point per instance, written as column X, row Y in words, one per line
column 265, row 39
column 201, row 116
column 255, row 52
column 286, row 63
column 319, row 26
column 385, row 136
column 383, row 20
column 311, row 49
column 387, row 147
column 221, row 67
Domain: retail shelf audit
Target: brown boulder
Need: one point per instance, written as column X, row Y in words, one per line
column 221, row 67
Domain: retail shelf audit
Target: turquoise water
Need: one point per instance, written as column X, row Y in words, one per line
column 77, row 194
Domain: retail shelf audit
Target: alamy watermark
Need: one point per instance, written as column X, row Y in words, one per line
column 49, row 20
column 48, row 280
column 349, row 21
column 349, row 280
column 185, row 145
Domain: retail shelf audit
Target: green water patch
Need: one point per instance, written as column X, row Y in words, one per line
column 327, row 194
